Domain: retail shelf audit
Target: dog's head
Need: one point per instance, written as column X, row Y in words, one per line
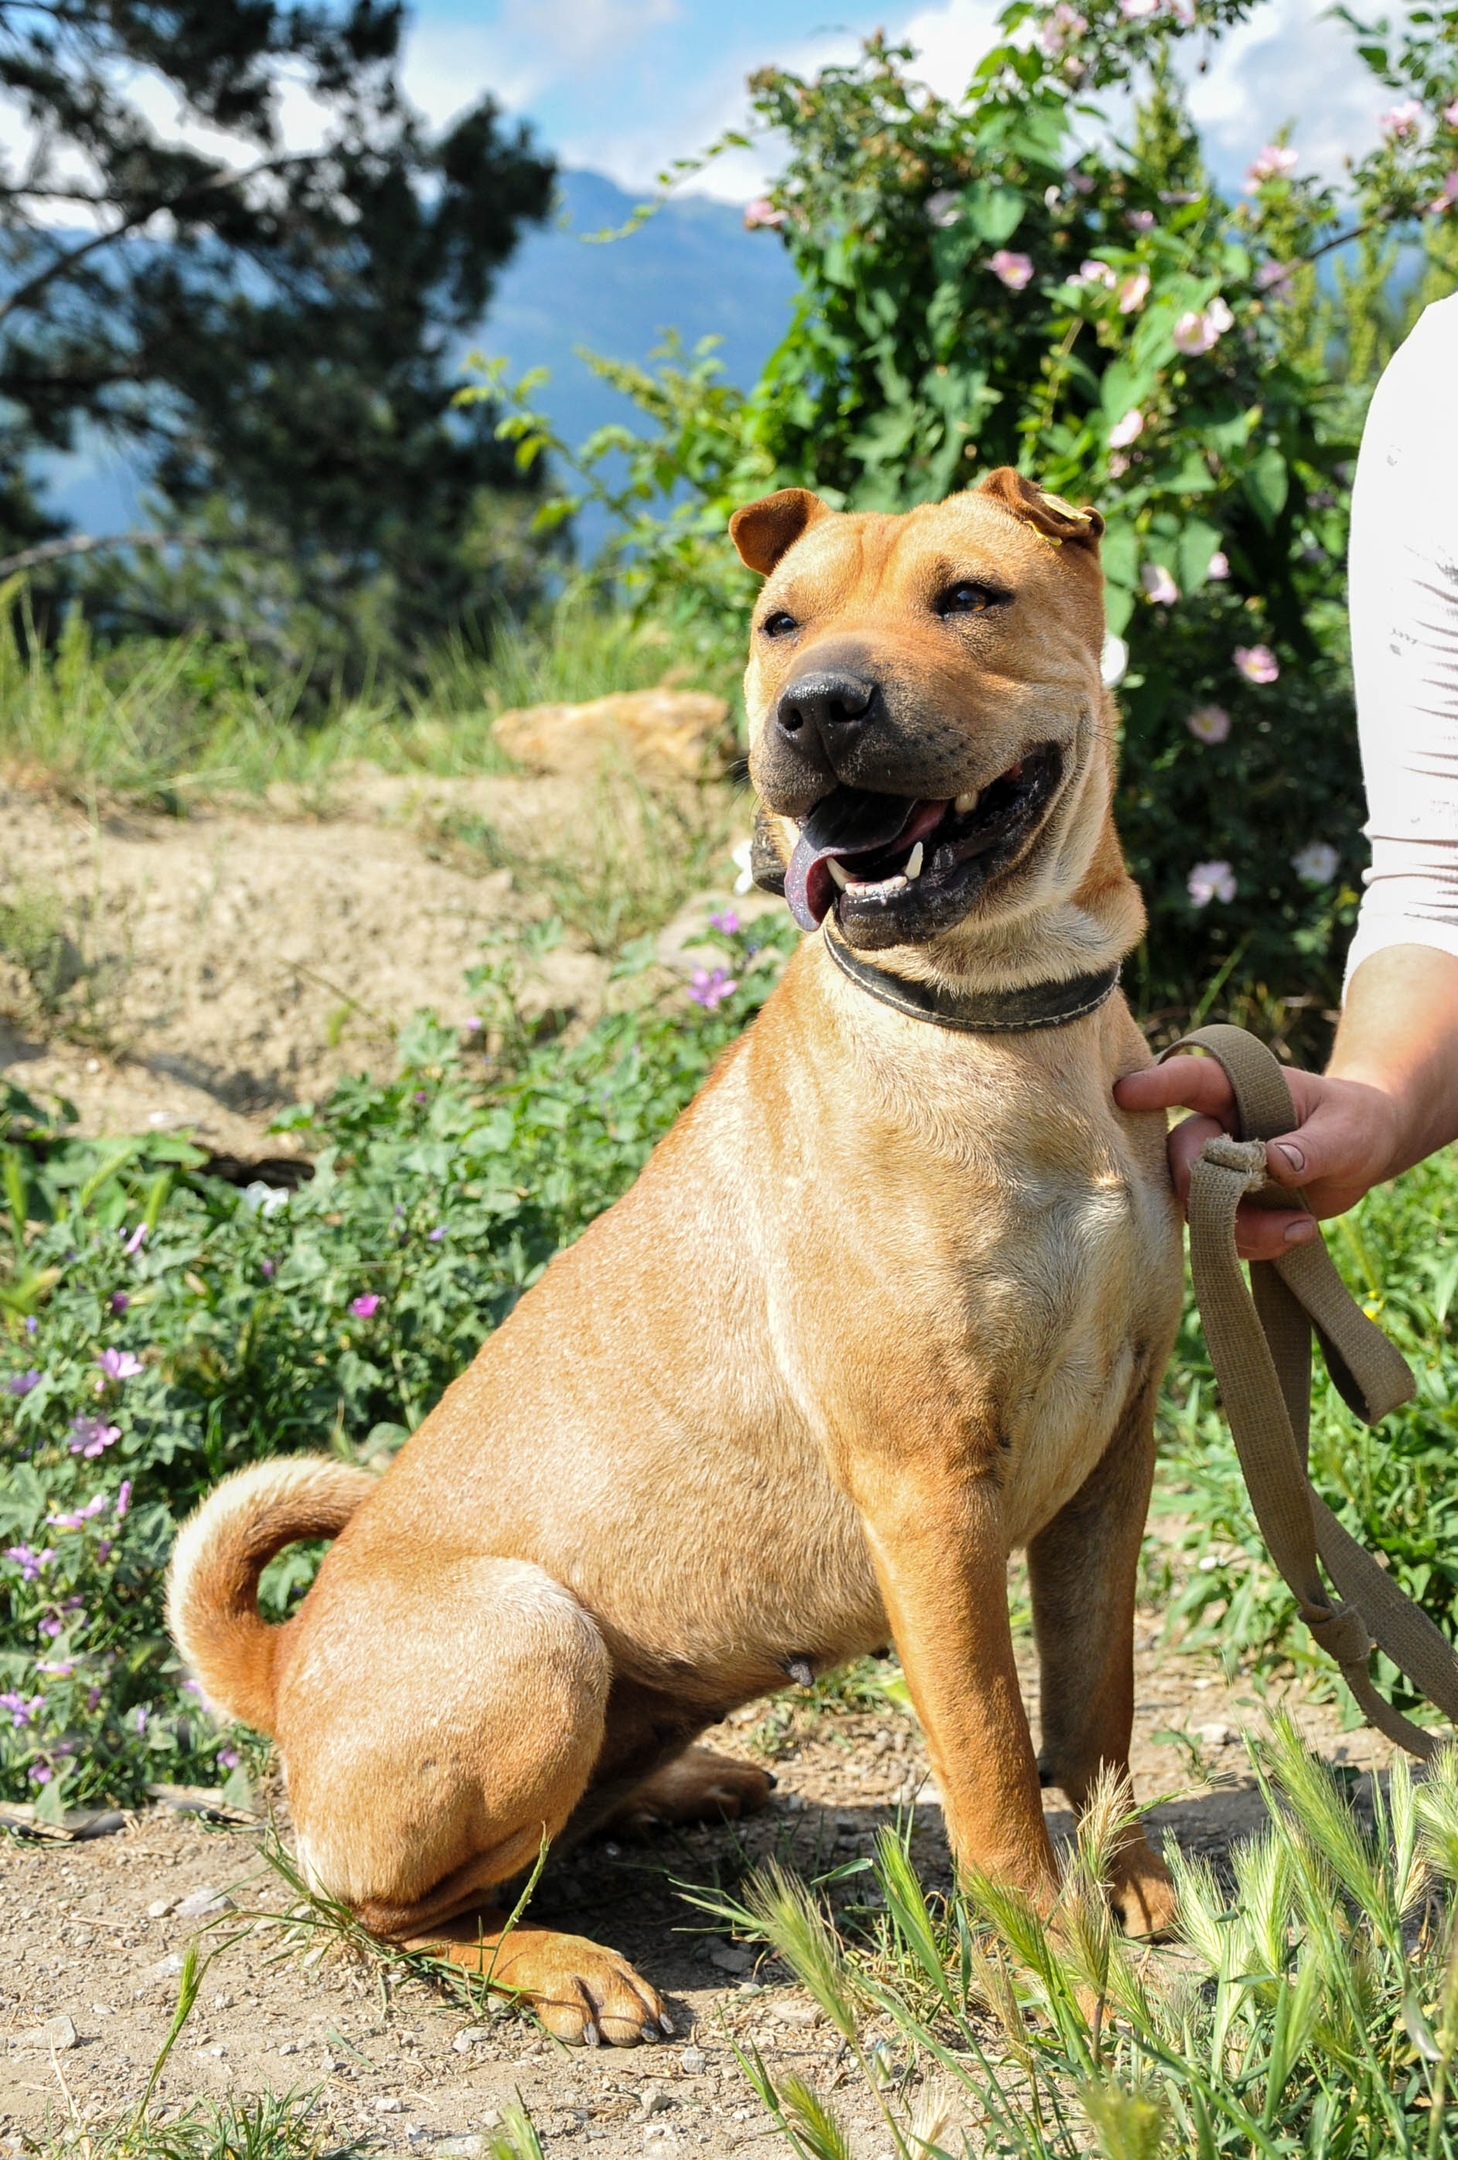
column 929, row 732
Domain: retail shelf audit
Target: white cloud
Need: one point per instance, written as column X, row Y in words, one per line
column 1288, row 62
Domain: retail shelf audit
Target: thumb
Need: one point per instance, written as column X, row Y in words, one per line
column 1331, row 1145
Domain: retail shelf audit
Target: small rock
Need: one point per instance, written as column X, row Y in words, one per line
column 166, row 1968
column 387, row 2104
column 288, row 2047
column 652, row 2100
column 499, row 2006
column 795, row 2013
column 57, row 2032
column 465, row 2148
column 1217, row 1733
column 201, row 1902
column 470, row 2037
column 692, row 2062
column 160, row 1907
column 730, row 1958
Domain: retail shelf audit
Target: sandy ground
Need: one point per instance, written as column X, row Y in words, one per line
column 94, row 1934
column 231, row 962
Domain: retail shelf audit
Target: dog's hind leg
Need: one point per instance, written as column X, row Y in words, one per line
column 1083, row 1567
column 440, row 1719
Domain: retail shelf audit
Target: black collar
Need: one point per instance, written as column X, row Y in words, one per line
column 978, row 1012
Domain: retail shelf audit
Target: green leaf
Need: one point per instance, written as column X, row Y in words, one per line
column 1266, row 483
column 1119, row 553
column 1198, row 543
column 993, row 210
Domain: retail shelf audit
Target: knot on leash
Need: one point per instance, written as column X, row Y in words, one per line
column 1247, row 1156
column 1342, row 1633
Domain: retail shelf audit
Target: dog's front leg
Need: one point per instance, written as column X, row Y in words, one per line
column 940, row 1554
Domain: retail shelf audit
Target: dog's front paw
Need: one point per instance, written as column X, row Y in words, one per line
column 582, row 1993
column 1142, row 1892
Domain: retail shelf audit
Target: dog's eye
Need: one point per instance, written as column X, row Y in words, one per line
column 779, row 624
column 965, row 598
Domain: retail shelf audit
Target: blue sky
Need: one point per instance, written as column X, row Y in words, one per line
column 622, row 86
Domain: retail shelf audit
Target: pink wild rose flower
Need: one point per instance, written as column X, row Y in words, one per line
column 1015, row 270
column 1257, row 663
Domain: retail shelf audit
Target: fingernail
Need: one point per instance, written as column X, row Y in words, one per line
column 1292, row 1154
column 1301, row 1232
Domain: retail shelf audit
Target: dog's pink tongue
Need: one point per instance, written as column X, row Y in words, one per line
column 848, row 823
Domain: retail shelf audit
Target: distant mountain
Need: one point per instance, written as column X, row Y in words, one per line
column 692, row 268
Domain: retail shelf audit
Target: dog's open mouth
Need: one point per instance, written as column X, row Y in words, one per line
column 915, row 864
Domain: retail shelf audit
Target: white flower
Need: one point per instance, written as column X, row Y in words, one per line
column 1272, row 163
column 1094, row 272
column 1159, row 585
column 1192, row 334
column 1134, row 292
column 945, row 207
column 1209, row 723
column 1128, row 430
column 1210, row 881
column 1219, row 567
column 1114, row 662
column 740, row 858
column 1316, row 863
column 1402, row 120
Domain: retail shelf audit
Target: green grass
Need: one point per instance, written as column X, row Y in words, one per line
column 1309, row 2007
column 173, row 720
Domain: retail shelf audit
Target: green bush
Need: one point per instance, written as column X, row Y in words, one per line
column 996, row 279
column 163, row 1328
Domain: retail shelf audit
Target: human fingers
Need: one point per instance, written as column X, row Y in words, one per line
column 1340, row 1148
column 1190, row 1083
column 1185, row 1144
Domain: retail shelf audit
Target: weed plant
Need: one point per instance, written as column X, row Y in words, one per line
column 170, row 720
column 162, row 1327
column 1309, row 2007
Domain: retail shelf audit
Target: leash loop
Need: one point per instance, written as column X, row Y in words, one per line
column 1259, row 1339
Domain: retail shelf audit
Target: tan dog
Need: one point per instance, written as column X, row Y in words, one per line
column 890, row 1301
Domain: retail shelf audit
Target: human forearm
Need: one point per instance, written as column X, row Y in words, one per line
column 1399, row 1037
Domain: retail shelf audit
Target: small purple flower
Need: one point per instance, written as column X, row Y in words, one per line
column 79, row 1516
column 136, row 1241
column 420, row 1095
column 1257, row 663
column 58, row 1668
column 1211, row 881
column 119, row 1364
column 709, row 987
column 266, row 1270
column 365, row 1308
column 191, row 1687
column 123, row 1498
column 30, row 1562
column 40, row 1775
column 141, row 1719
column 21, row 1383
column 119, row 1301
column 1209, row 723
column 434, row 1237
column 724, row 919
column 89, row 1437
column 474, row 1023
column 50, row 1627
column 103, row 1550
column 31, row 1323
column 227, row 1758
column 93, row 1697
column 22, row 1712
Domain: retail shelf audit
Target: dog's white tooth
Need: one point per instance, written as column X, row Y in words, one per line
column 913, row 862
column 836, row 872
column 966, row 802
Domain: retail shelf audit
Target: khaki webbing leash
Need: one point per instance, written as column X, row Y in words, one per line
column 1260, row 1347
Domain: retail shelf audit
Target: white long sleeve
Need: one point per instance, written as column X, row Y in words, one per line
column 1403, row 565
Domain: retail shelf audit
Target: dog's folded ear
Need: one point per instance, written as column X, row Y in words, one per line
column 1049, row 513
column 763, row 531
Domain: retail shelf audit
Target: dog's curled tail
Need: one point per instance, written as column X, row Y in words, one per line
column 222, row 1549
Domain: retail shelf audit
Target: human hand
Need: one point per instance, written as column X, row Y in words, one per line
column 1345, row 1141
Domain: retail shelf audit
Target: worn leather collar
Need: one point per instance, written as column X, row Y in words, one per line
column 977, row 1012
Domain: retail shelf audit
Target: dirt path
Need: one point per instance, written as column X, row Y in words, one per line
column 94, row 1934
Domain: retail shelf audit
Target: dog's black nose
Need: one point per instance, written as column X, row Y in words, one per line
column 831, row 701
